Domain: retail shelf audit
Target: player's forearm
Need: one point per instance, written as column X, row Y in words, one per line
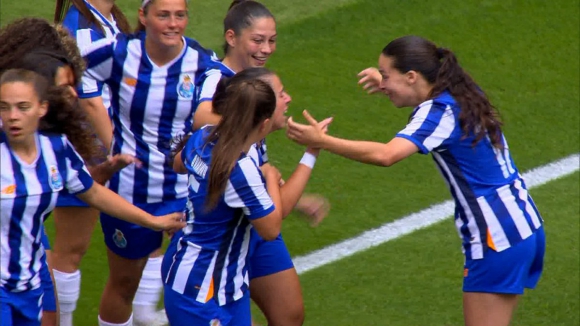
column 294, row 187
column 99, row 119
column 362, row 151
column 112, row 204
column 102, row 173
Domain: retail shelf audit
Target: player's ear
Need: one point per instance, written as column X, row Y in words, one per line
column 230, row 37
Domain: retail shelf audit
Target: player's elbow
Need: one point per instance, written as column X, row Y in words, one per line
column 270, row 235
column 383, row 158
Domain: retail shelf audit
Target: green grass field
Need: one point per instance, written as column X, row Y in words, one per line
column 525, row 54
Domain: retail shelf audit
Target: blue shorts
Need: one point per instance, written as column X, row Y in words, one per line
column 508, row 271
column 267, row 257
column 21, row 308
column 132, row 241
column 185, row 311
column 66, row 199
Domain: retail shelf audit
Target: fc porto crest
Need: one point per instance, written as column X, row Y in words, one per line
column 119, row 239
column 185, row 87
column 55, row 178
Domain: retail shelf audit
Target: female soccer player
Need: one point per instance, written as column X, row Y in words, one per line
column 90, row 21
column 157, row 77
column 206, row 279
column 37, row 162
column 501, row 229
column 250, row 38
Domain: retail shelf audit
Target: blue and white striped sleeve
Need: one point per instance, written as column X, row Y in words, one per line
column 430, row 127
column 208, row 85
column 78, row 179
column 99, row 57
column 246, row 190
column 85, row 37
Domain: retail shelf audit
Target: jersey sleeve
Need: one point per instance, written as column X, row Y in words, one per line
column 431, row 126
column 78, row 178
column 246, row 190
column 99, row 57
column 89, row 87
column 208, row 85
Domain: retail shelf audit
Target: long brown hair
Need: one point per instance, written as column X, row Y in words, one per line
column 441, row 69
column 247, row 104
column 62, row 7
column 62, row 116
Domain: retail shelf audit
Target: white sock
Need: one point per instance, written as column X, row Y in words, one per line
column 127, row 323
column 68, row 289
column 149, row 292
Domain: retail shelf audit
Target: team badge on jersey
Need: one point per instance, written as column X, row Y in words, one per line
column 55, row 178
column 119, row 239
column 215, row 322
column 185, row 87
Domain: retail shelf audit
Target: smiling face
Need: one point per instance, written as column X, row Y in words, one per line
column 165, row 22
column 282, row 100
column 399, row 87
column 20, row 111
column 254, row 44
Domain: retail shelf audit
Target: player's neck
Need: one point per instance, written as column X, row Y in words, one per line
column 25, row 149
column 104, row 7
column 232, row 64
column 161, row 55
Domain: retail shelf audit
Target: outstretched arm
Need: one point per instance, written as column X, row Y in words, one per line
column 363, row 151
column 112, row 204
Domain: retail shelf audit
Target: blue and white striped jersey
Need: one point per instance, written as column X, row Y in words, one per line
column 28, row 195
column 493, row 207
column 150, row 106
column 85, row 34
column 211, row 256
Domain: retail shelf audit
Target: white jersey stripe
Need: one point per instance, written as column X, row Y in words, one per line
column 514, row 210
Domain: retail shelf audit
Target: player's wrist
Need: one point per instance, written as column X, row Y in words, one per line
column 308, row 159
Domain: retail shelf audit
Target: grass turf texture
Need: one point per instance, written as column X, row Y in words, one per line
column 523, row 54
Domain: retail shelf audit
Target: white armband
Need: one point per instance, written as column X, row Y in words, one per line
column 308, row 160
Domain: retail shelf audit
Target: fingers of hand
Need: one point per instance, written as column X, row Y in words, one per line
column 309, row 118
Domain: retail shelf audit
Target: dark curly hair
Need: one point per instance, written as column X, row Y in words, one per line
column 34, row 44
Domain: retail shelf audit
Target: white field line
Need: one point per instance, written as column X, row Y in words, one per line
column 422, row 219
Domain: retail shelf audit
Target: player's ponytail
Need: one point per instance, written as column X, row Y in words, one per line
column 60, row 10
column 241, row 15
column 247, row 104
column 440, row 68
column 478, row 115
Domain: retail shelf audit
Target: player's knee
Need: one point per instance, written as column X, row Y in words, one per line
column 125, row 286
column 70, row 256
